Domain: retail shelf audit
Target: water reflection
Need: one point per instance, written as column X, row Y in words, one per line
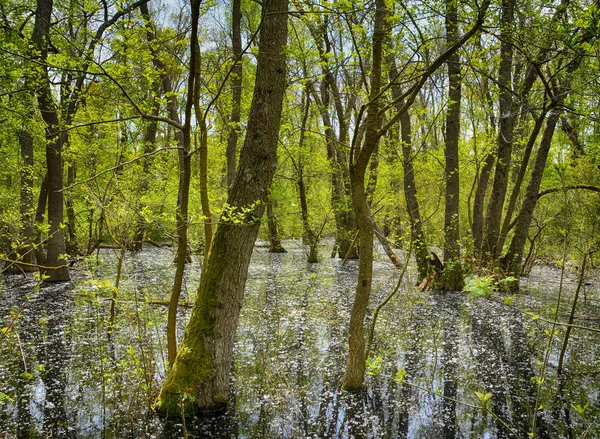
column 63, row 376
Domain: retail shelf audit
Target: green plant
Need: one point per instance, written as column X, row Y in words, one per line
column 374, row 366
column 480, row 286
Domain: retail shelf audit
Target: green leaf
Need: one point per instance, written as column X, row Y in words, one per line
column 400, row 376
column 509, row 300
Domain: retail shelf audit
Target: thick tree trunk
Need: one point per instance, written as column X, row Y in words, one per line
column 203, row 362
column 505, row 134
column 452, row 273
column 355, row 365
column 236, row 89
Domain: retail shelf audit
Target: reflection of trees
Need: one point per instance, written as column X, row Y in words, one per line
column 54, row 303
column 27, row 330
column 451, row 322
column 41, row 347
column 504, row 365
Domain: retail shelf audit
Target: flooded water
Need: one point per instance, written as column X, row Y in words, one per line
column 67, row 371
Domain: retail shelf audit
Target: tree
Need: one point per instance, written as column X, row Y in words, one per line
column 452, row 273
column 55, row 268
column 202, row 366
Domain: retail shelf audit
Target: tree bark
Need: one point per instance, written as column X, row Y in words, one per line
column 70, row 207
column 479, row 201
column 236, row 90
column 55, row 268
column 419, row 240
column 274, row 241
column 25, row 249
column 452, row 273
column 505, row 134
column 512, row 259
column 341, row 192
column 40, row 213
column 203, row 362
column 183, row 195
column 355, row 365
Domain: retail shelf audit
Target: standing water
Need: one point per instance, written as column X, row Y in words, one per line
column 444, row 365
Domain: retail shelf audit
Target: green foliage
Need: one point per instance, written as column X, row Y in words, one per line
column 400, row 376
column 483, row 286
column 484, row 398
column 374, row 366
column 480, row 286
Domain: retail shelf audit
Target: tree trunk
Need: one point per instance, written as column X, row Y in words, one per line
column 505, row 134
column 55, row 268
column 40, row 213
column 201, row 369
column 25, row 249
column 355, row 365
column 520, row 178
column 512, row 259
column 419, row 240
column 274, row 241
column 72, row 241
column 185, row 176
column 236, row 89
column 479, row 201
column 452, row 273
column 203, row 152
column 341, row 192
column 313, row 255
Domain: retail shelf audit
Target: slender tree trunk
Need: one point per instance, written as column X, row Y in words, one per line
column 355, row 365
column 563, row 350
column 341, row 191
column 203, row 362
column 150, row 130
column 421, row 248
column 25, row 250
column 55, row 269
column 452, row 274
column 505, row 134
column 520, row 178
column 72, row 241
column 203, row 152
column 512, row 259
column 185, row 176
column 313, row 255
column 274, row 241
column 479, row 201
column 236, row 89
column 312, row 237
column 40, row 213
